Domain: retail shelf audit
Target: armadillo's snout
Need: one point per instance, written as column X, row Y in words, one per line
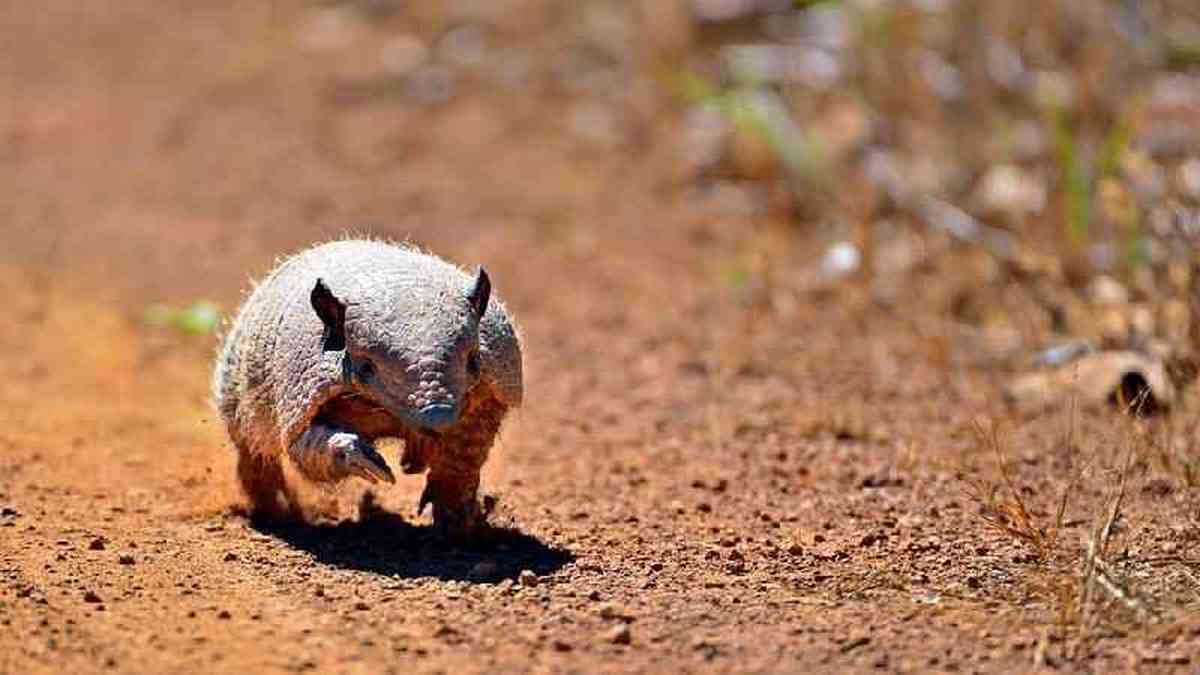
column 433, row 405
column 437, row 416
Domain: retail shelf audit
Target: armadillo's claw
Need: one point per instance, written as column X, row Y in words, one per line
column 360, row 459
column 371, row 471
column 416, row 455
column 426, row 500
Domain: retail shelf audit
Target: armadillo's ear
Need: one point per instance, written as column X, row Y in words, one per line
column 333, row 314
column 481, row 291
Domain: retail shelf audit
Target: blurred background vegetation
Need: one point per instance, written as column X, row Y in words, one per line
column 1039, row 159
column 1068, row 125
column 1059, row 139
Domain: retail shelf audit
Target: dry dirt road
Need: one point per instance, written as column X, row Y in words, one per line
column 713, row 472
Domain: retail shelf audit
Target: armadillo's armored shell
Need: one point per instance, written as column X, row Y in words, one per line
column 500, row 356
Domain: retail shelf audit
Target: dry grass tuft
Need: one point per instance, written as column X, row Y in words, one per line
column 1091, row 594
column 1003, row 507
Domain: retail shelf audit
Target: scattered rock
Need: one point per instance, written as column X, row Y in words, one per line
column 1147, row 177
column 619, row 635
column 1105, row 290
column 1028, row 141
column 1114, row 327
column 463, row 46
column 1158, row 487
column 1007, row 189
column 855, row 643
column 942, row 76
column 1141, row 323
column 1175, row 317
column 704, row 136
column 840, row 260
column 96, row 544
column 527, row 579
column 706, row 648
column 126, row 559
column 92, row 597
column 873, row 538
column 224, row 614
column 610, row 611
column 881, row 479
column 1054, row 89
column 1189, row 178
column 1059, row 355
column 561, row 646
column 782, row 64
column 1004, row 64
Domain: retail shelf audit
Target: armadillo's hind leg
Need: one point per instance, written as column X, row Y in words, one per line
column 327, row 453
column 262, row 481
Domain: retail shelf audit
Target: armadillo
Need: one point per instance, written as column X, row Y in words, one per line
column 354, row 341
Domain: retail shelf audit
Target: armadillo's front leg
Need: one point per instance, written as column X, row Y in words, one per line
column 455, row 458
column 326, row 453
column 452, row 488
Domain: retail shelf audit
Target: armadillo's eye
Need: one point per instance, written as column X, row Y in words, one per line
column 365, row 370
column 473, row 364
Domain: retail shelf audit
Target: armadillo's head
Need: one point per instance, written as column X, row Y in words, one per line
column 412, row 350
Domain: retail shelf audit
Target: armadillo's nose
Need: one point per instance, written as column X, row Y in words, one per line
column 433, row 399
column 437, row 416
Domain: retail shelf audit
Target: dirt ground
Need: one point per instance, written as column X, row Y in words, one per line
column 710, row 474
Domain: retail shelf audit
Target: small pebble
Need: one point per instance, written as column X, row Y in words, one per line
column 841, row 259
column 619, row 635
column 92, row 597
column 528, row 579
column 125, row 559
column 1189, row 178
column 97, row 544
column 610, row 611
